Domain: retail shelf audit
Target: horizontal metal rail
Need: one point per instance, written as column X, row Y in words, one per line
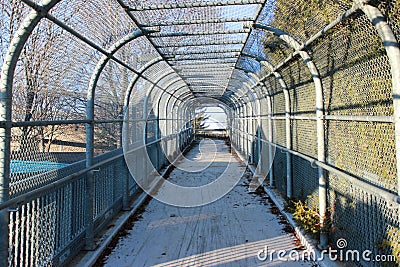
column 195, row 4
column 178, row 34
column 176, row 53
column 216, row 43
column 69, row 122
column 369, row 187
column 191, row 22
column 383, row 119
column 57, row 184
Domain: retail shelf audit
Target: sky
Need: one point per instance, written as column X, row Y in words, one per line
column 217, row 118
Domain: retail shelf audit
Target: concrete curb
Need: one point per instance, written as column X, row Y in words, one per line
column 280, row 202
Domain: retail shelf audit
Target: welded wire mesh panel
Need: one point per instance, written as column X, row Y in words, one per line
column 280, row 132
column 302, row 88
column 273, row 87
column 370, row 154
column 279, row 165
column 304, row 137
column 305, row 179
column 107, row 137
column 103, row 22
column 302, row 19
column 356, row 209
column 42, row 228
column 106, row 191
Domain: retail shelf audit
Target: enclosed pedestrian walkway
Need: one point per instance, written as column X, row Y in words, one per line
column 99, row 99
column 228, row 232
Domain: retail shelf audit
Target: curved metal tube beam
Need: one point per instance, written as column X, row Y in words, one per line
column 150, row 91
column 6, row 85
column 319, row 103
column 90, row 131
column 133, row 82
column 278, row 76
column 393, row 52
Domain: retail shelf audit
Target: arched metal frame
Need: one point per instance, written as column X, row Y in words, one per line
column 235, row 101
column 90, row 132
column 278, row 76
column 322, row 189
column 147, row 66
column 6, row 85
column 393, row 52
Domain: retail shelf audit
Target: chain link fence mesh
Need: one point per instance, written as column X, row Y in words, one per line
column 200, row 46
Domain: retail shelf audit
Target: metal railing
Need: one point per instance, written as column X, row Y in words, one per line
column 211, row 133
column 48, row 224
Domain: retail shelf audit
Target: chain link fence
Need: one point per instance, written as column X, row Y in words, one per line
column 84, row 81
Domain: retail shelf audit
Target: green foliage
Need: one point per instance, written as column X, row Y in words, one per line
column 275, row 46
column 306, row 17
column 307, row 216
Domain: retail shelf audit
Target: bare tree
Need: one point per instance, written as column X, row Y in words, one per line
column 39, row 92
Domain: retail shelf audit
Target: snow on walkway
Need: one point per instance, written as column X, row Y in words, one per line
column 228, row 232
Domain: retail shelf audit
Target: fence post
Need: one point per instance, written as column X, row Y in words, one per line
column 393, row 52
column 89, row 185
column 6, row 84
column 125, row 145
column 270, row 140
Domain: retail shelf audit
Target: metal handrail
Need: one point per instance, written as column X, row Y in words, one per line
column 62, row 181
column 350, row 177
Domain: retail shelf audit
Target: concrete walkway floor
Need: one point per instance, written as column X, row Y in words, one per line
column 228, row 232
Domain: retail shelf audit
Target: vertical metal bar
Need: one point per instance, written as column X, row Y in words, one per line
column 322, row 191
column 259, row 127
column 393, row 52
column 322, row 180
column 288, row 128
column 271, row 140
column 6, row 84
column 175, row 112
column 270, row 137
column 247, row 127
column 288, row 131
column 241, row 128
column 158, row 145
column 89, row 204
column 125, row 180
column 289, row 177
column 89, row 184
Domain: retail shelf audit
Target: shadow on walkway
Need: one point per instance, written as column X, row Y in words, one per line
column 228, row 232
